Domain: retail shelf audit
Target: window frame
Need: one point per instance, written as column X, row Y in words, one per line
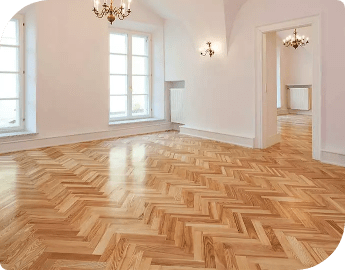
column 130, row 34
column 21, row 73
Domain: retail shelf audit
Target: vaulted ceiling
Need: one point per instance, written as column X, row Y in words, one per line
column 209, row 18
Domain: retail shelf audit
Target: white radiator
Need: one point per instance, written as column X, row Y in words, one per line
column 300, row 99
column 177, row 105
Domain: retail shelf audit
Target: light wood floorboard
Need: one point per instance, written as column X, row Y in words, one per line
column 170, row 202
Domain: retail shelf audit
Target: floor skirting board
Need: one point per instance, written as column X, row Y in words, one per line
column 220, row 137
column 33, row 143
column 272, row 140
column 282, row 111
column 333, row 158
column 310, row 112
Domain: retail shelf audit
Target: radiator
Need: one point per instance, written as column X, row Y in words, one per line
column 177, row 105
column 300, row 99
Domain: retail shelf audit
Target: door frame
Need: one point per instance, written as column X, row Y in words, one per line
column 260, row 70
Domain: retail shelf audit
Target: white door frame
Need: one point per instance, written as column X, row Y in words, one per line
column 260, row 69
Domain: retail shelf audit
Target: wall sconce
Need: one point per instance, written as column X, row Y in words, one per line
column 209, row 51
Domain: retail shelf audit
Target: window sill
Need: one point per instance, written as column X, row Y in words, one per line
column 16, row 133
column 132, row 121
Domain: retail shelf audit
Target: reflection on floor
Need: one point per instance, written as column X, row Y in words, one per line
column 296, row 131
column 167, row 202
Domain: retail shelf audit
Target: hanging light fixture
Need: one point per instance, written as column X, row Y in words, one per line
column 296, row 40
column 112, row 11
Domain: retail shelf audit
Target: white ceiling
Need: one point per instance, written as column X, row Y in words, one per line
column 204, row 19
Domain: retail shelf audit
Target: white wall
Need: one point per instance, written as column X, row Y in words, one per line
column 271, row 81
column 221, row 90
column 284, row 74
column 73, row 72
column 300, row 65
column 210, row 91
column 296, row 65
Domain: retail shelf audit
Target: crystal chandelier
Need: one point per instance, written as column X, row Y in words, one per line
column 111, row 11
column 296, row 40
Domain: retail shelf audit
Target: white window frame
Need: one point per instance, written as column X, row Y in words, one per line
column 21, row 74
column 129, row 54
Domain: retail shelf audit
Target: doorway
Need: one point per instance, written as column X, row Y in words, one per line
column 267, row 88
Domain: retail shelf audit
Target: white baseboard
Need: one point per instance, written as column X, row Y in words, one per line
column 226, row 138
column 282, row 111
column 333, row 158
column 298, row 112
column 33, row 143
column 272, row 140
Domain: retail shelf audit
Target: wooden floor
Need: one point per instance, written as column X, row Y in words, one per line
column 167, row 202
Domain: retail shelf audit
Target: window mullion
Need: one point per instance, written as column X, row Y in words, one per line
column 21, row 63
column 129, row 72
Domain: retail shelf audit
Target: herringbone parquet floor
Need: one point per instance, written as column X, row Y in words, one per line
column 171, row 202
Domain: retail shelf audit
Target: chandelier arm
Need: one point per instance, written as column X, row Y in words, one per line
column 116, row 10
column 206, row 52
column 122, row 16
column 128, row 13
column 101, row 14
column 105, row 11
column 95, row 11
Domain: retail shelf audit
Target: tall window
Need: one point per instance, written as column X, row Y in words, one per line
column 11, row 77
column 130, row 76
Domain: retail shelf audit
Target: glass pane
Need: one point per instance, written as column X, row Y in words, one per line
column 9, row 85
column 10, row 36
column 140, row 105
column 140, row 84
column 9, row 113
column 140, row 46
column 118, row 106
column 8, row 59
column 140, row 65
column 118, row 85
column 118, row 64
column 118, row 43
